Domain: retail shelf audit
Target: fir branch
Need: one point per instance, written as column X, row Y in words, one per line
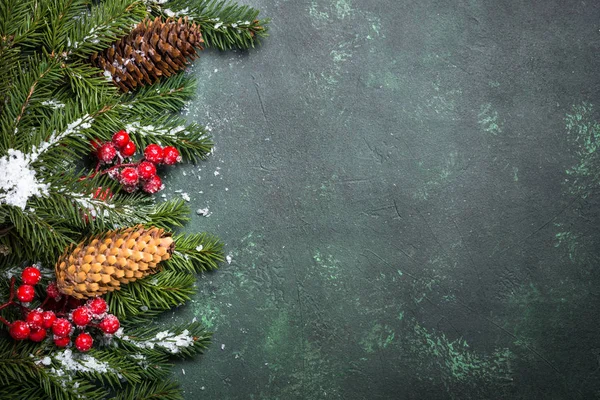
column 195, row 253
column 105, row 23
column 169, row 214
column 225, row 25
column 151, row 295
column 191, row 140
column 181, row 341
column 150, row 390
column 164, row 96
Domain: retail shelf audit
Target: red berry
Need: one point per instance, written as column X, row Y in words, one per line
column 52, row 290
column 31, row 275
column 128, row 150
column 146, row 170
column 171, row 155
column 35, row 319
column 25, row 293
column 97, row 306
column 81, row 316
column 110, row 324
column 62, row 327
column 102, row 194
column 129, row 176
column 62, row 341
column 19, row 330
column 107, row 152
column 154, row 153
column 120, row 139
column 48, row 319
column 84, row 342
column 153, row 185
column 37, row 334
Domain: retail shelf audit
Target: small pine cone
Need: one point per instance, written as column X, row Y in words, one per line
column 100, row 264
column 152, row 50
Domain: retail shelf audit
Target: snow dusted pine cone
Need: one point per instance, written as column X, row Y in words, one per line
column 100, row 264
column 153, row 49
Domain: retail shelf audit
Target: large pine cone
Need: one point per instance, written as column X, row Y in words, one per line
column 153, row 49
column 100, row 264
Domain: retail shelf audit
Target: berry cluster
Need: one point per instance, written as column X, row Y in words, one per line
column 134, row 175
column 59, row 316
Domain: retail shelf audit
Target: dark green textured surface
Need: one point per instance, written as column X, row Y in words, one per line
column 407, row 193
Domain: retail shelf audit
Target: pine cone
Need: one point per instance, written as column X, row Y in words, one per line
column 153, row 49
column 100, row 264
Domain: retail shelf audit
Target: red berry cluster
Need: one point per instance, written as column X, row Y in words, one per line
column 53, row 317
column 135, row 175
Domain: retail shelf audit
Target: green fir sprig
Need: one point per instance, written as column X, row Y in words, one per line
column 53, row 102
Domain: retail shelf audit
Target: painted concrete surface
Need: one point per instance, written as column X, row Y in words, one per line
column 408, row 194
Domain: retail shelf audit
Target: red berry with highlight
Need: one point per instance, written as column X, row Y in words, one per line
column 19, row 330
column 52, row 290
column 37, row 334
column 48, row 319
column 62, row 327
column 128, row 150
column 153, row 185
column 154, row 153
column 120, row 139
column 146, row 170
column 171, row 155
column 97, row 306
column 81, row 316
column 35, row 319
column 62, row 341
column 110, row 324
column 84, row 342
column 107, row 153
column 129, row 176
column 31, row 275
column 25, row 293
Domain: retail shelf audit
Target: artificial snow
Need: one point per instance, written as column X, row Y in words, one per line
column 229, row 259
column 203, row 212
column 166, row 339
column 199, row 248
column 185, row 196
column 53, row 103
column 18, row 180
column 152, row 130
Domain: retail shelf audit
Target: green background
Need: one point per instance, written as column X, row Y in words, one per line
column 408, row 195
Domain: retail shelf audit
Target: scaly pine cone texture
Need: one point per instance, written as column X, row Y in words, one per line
column 100, row 264
column 152, row 50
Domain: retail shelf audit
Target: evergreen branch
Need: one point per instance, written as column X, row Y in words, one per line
column 225, row 25
column 164, row 96
column 182, row 341
column 172, row 213
column 195, row 253
column 150, row 390
column 191, row 140
column 61, row 21
column 35, row 84
column 151, row 295
column 105, row 23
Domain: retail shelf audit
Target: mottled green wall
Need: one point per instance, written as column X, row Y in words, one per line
column 407, row 191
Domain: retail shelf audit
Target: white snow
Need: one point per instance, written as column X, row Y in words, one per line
column 203, row 212
column 166, row 339
column 185, row 196
column 199, row 248
column 18, row 181
column 229, row 259
column 152, row 130
column 53, row 103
